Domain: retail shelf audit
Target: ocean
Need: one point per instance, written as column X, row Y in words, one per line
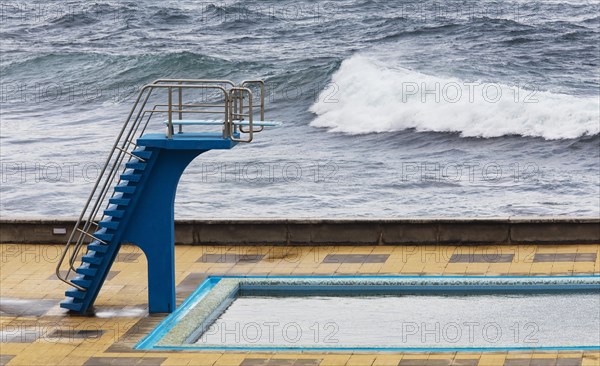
column 389, row 108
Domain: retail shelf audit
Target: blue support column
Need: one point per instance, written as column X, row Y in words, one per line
column 150, row 224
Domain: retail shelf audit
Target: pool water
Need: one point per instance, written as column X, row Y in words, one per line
column 398, row 321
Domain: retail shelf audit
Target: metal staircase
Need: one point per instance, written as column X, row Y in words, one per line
column 118, row 190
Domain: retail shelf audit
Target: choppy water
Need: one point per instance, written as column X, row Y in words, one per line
column 488, row 321
column 390, row 108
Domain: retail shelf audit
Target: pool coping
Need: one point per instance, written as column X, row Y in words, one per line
column 170, row 334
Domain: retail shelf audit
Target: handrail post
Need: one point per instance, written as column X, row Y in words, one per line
column 262, row 100
column 170, row 112
column 180, row 96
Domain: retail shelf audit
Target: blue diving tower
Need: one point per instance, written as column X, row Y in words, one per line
column 132, row 201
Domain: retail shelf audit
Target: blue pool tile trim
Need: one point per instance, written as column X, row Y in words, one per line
column 151, row 341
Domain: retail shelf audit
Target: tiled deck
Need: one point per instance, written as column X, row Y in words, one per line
column 35, row 331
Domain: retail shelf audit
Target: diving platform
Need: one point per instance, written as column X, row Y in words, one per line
column 132, row 202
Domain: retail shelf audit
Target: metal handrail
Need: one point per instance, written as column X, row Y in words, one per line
column 91, row 196
column 233, row 109
column 262, row 101
column 239, row 115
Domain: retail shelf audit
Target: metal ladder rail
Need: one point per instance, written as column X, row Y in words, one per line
column 91, row 196
column 125, row 152
column 122, row 151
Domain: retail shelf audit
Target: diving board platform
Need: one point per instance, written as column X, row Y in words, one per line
column 132, row 201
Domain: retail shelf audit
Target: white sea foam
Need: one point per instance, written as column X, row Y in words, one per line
column 365, row 97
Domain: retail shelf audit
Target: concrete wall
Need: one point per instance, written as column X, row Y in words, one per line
column 499, row 230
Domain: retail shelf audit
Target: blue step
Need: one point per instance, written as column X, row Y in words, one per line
column 92, row 258
column 123, row 188
column 102, row 235
column 71, row 305
column 131, row 177
column 85, row 270
column 114, row 213
column 98, row 247
column 117, row 200
column 81, row 281
column 142, row 154
column 108, row 224
column 135, row 165
column 75, row 293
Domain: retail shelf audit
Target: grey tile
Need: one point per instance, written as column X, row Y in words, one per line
column 147, row 361
column 544, row 257
column 465, row 362
column 438, row 362
column 517, row 362
column 76, row 334
column 543, row 362
column 481, row 258
column 376, row 258
column 20, row 334
column 63, row 273
column 307, row 362
column 134, row 334
column 355, row 258
column 111, row 275
column 344, row 258
column 5, row 359
column 124, row 361
column 585, row 257
column 128, row 257
column 250, row 258
column 565, row 257
column 191, row 281
column 568, row 362
column 254, row 362
column 216, row 258
column 412, row 362
column 25, row 307
column 230, row 258
column 99, row 361
column 281, row 362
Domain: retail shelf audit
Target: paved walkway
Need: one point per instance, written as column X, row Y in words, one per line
column 35, row 331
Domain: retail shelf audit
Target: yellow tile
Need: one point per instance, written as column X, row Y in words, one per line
column 456, row 268
column 230, row 359
column 584, row 267
column 334, row 360
column 184, row 362
column 520, row 268
column 387, row 360
column 360, row 360
column 415, row 356
column 541, row 268
column 590, row 362
column 492, row 360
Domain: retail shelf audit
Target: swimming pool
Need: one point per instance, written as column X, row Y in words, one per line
column 385, row 313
